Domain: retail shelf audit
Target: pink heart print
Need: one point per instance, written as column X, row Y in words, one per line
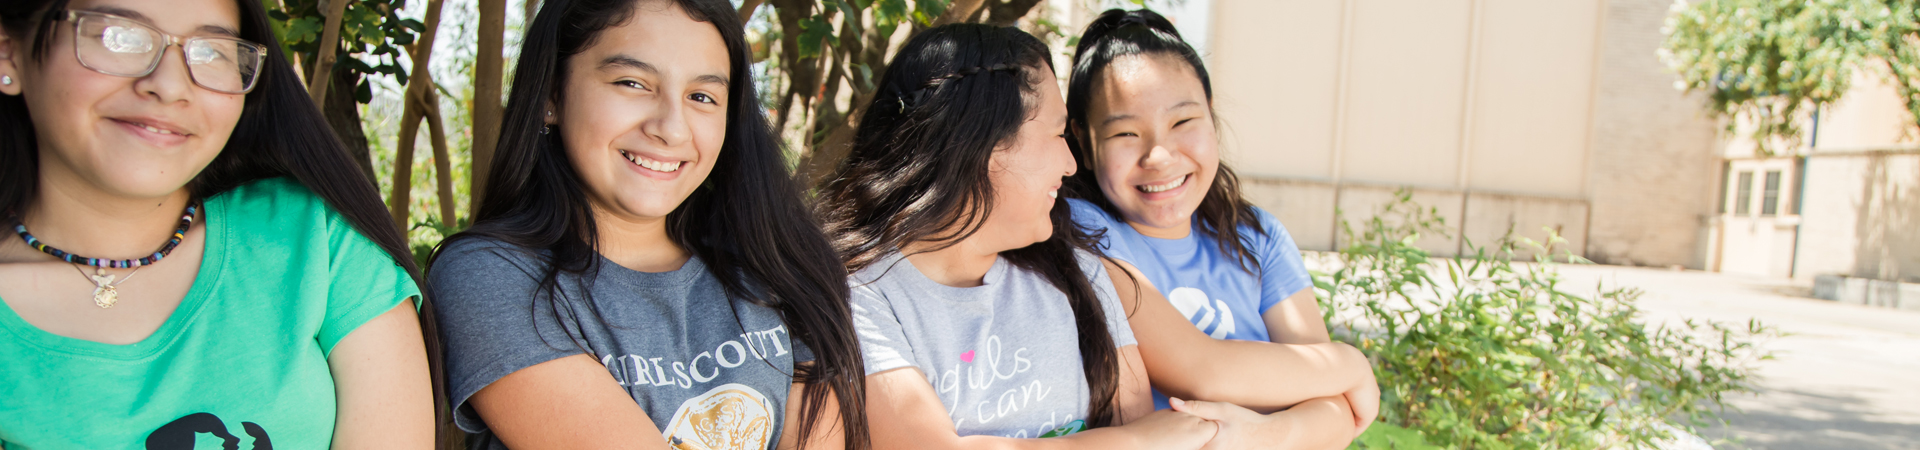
column 967, row 357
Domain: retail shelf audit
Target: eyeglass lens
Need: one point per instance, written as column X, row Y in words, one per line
column 131, row 49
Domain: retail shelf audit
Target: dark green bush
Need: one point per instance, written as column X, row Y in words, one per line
column 1483, row 352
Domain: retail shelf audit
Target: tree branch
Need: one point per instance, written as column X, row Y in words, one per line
column 957, row 11
column 329, row 44
column 747, row 7
column 1008, row 12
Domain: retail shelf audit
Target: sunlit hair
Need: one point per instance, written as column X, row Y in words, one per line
column 1117, row 34
column 748, row 222
column 918, row 172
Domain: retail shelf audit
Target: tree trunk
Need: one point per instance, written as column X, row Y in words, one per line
column 442, row 161
column 343, row 115
column 487, row 108
column 414, row 108
column 400, row 194
column 329, row 44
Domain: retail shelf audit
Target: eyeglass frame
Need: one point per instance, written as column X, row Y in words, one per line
column 171, row 41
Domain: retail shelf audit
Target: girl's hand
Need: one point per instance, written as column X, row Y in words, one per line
column 1239, row 427
column 1165, row 429
column 1365, row 401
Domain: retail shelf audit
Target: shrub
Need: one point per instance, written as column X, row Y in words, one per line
column 1482, row 352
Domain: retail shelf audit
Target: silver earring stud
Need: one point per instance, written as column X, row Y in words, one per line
column 6, row 80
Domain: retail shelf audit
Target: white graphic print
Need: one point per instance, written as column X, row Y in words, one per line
column 639, row 370
column 1192, row 302
column 728, row 417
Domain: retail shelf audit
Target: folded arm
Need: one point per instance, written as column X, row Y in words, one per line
column 566, row 403
column 1185, row 363
column 906, row 413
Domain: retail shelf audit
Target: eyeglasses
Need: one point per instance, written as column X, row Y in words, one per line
column 123, row 47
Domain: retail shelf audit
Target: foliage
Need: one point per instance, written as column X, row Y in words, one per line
column 829, row 54
column 370, row 30
column 1766, row 62
column 1484, row 352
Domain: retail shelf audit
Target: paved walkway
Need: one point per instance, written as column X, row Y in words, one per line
column 1845, row 376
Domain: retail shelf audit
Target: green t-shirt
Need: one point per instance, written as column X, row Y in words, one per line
column 242, row 360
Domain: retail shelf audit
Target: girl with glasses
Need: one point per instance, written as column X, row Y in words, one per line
column 642, row 272
column 191, row 253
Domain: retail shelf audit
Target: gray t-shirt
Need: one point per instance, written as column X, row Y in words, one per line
column 1004, row 356
column 711, row 372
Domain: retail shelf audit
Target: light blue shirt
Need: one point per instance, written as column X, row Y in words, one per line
column 1213, row 290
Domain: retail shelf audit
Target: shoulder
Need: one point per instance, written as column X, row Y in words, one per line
column 282, row 201
column 1265, row 229
column 880, row 269
column 1088, row 215
column 1091, row 264
column 467, row 256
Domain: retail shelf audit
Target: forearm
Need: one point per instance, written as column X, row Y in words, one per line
column 1316, row 424
column 1241, row 372
column 1095, row 439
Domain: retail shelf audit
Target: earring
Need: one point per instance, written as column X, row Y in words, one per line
column 6, row 80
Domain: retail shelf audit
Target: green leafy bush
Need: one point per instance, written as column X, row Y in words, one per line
column 1483, row 352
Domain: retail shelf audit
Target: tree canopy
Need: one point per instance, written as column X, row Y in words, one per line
column 1769, row 64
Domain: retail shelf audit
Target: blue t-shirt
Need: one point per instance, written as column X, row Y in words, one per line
column 1207, row 285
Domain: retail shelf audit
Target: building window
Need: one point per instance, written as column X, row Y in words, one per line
column 1743, row 194
column 1726, row 172
column 1770, row 198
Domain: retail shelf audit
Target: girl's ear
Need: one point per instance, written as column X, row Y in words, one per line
column 9, row 66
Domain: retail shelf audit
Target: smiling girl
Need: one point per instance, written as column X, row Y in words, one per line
column 190, row 252
column 1141, row 104
column 643, row 272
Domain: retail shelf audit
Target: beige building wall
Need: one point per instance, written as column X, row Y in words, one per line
column 1501, row 114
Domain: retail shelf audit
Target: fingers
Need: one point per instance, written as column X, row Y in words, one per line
column 1203, row 409
column 1366, row 407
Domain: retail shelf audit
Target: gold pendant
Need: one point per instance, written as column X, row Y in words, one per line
column 105, row 296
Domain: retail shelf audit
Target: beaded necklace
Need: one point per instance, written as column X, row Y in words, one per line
column 105, row 290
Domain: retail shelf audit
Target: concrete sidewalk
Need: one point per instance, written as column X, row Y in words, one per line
column 1844, row 377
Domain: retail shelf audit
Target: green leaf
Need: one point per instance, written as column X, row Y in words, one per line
column 926, row 10
column 813, row 33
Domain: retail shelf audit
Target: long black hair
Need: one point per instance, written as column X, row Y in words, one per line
column 280, row 134
column 918, row 172
column 1119, row 33
column 748, row 222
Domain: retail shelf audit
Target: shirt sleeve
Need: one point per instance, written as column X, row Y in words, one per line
column 883, row 343
column 365, row 281
column 492, row 320
column 1282, row 273
column 1117, row 325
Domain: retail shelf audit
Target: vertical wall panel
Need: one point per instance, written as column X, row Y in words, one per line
column 1532, row 104
column 1405, row 91
column 1275, row 66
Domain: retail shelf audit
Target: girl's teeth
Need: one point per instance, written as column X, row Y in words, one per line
column 1163, row 187
column 651, row 164
column 155, row 130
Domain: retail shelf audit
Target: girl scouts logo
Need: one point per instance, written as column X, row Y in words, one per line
column 731, row 416
column 1194, row 304
column 181, row 434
